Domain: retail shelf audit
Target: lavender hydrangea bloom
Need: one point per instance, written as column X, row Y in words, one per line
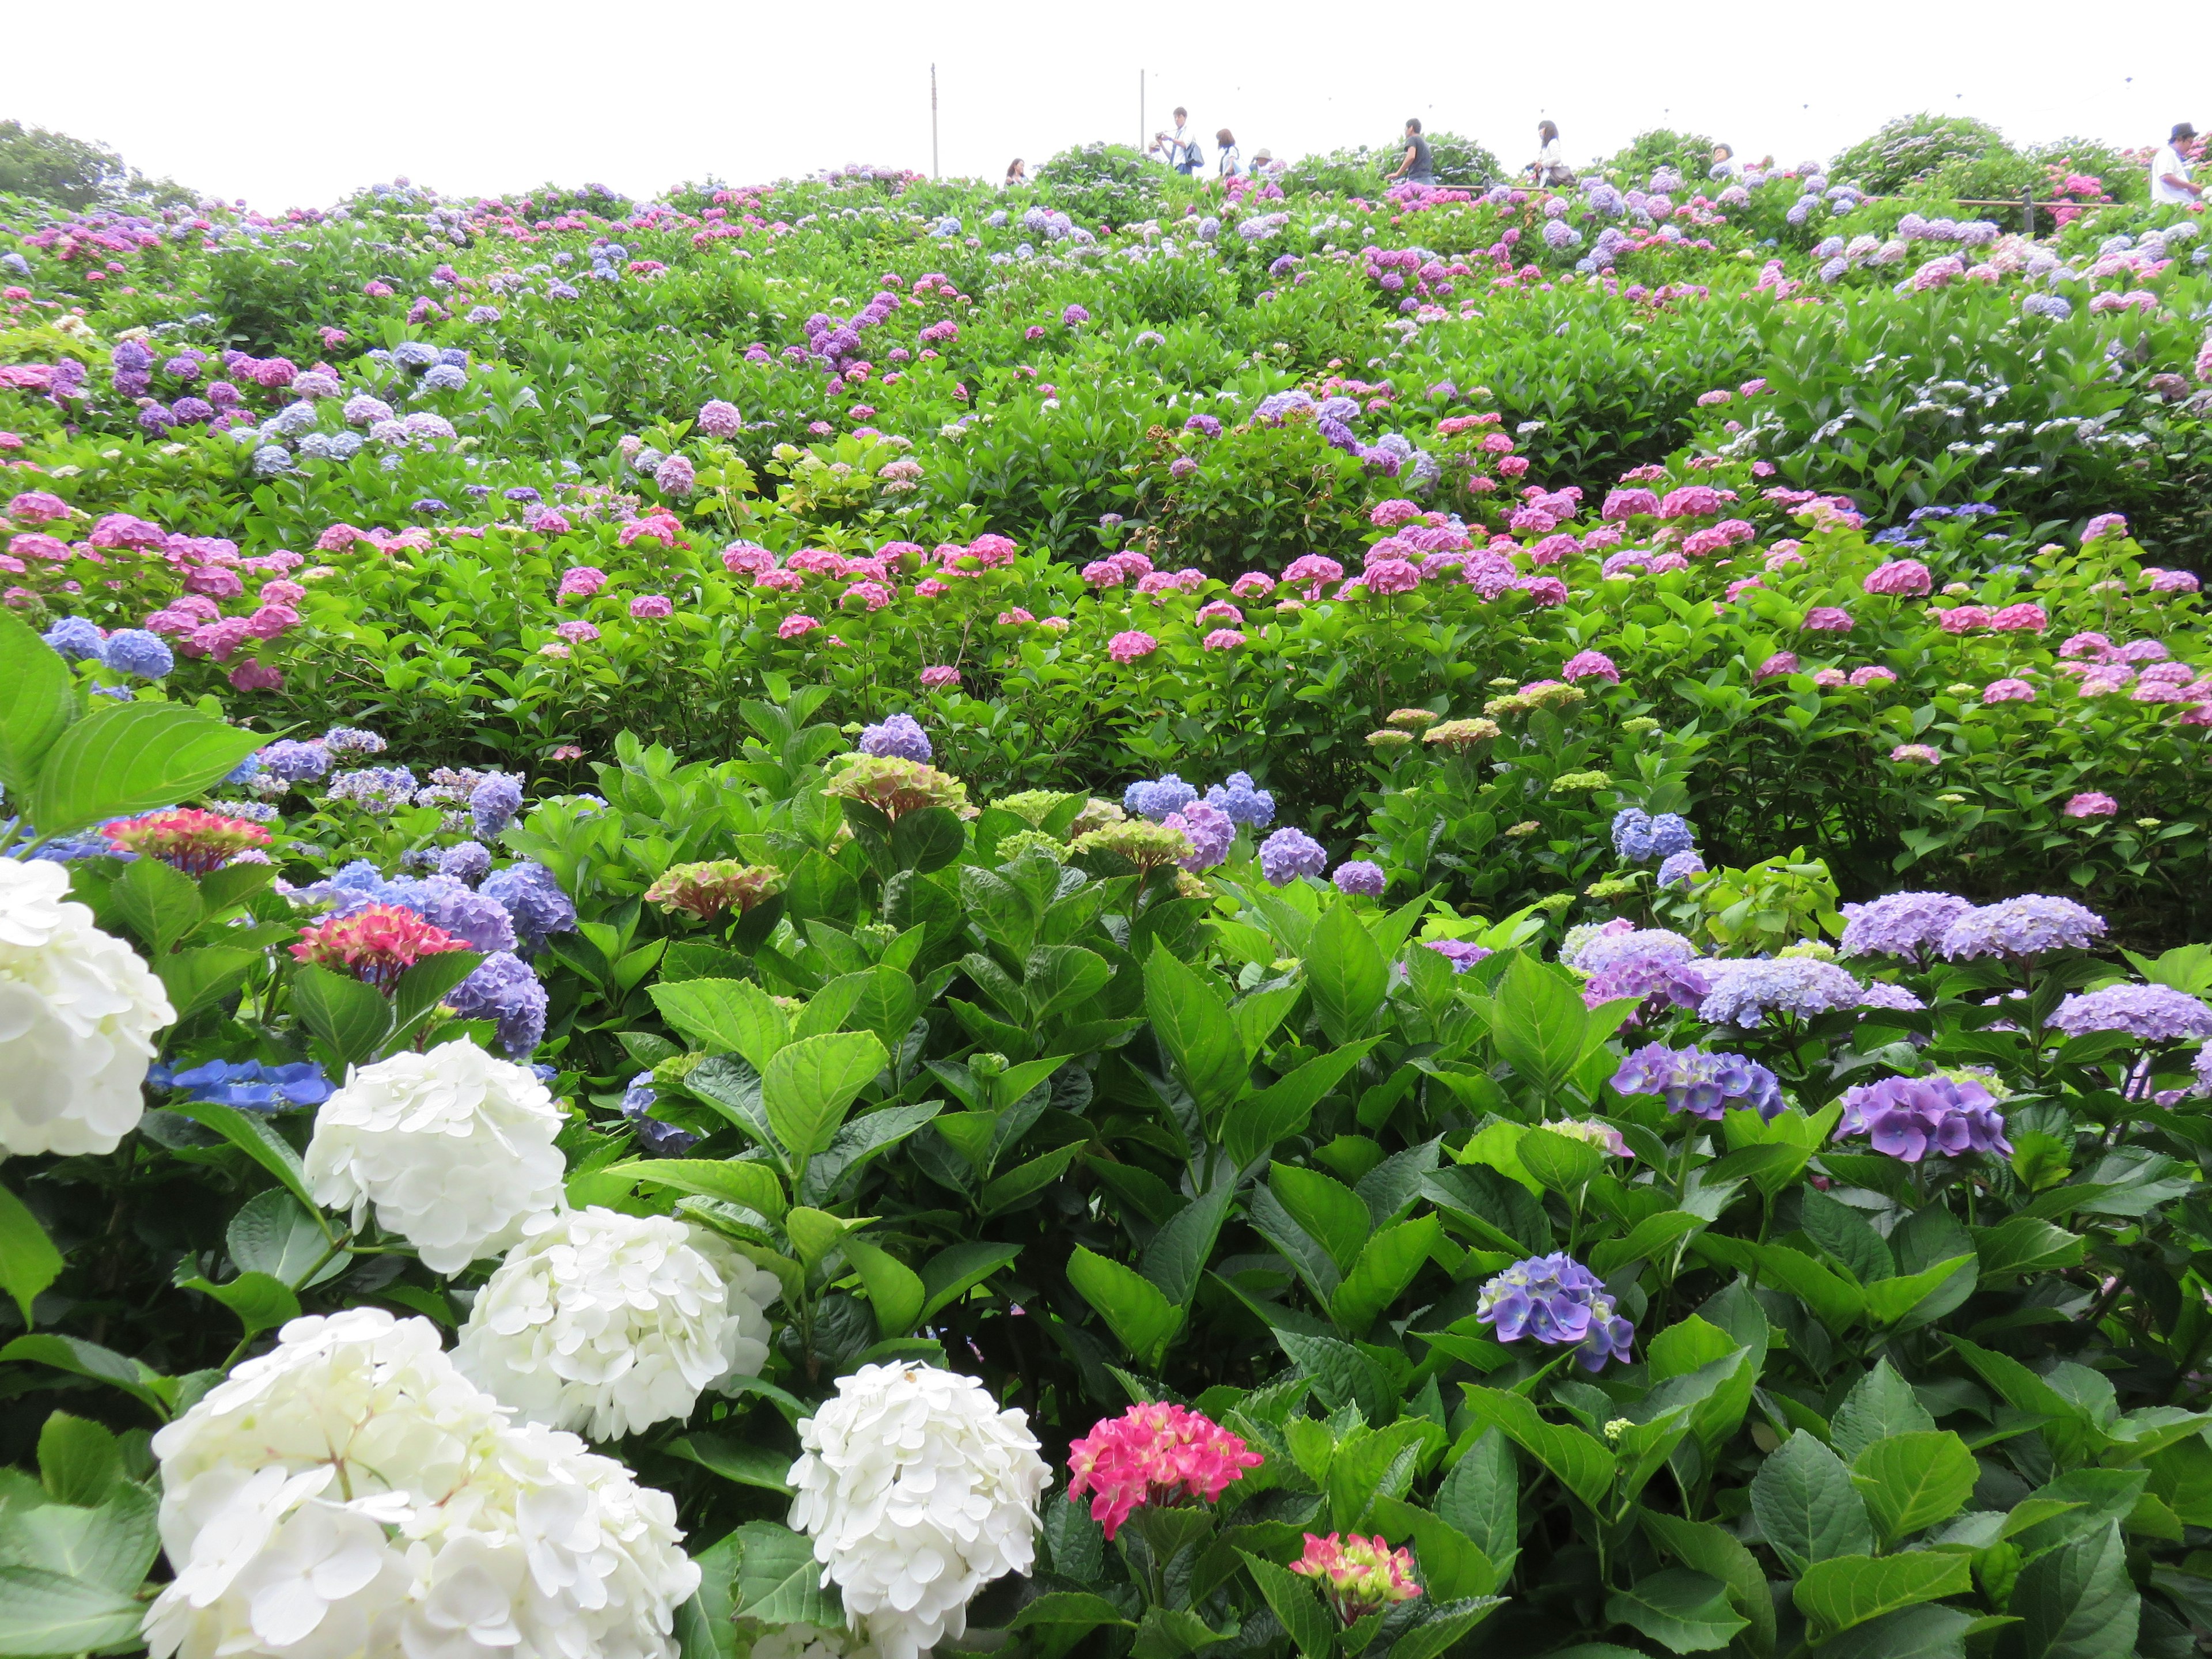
column 1631, row 834
column 1671, row 834
column 74, row 637
column 461, row 910
column 1556, row 1300
column 1462, row 954
column 2022, row 927
column 900, row 736
column 504, row 988
column 469, row 863
column 295, row 762
column 1210, row 832
column 1360, row 876
column 1908, row 1116
column 534, row 899
column 1747, row 989
column 1680, row 867
column 2150, row 1013
column 1660, row 981
column 1601, row 950
column 134, row 651
column 1241, row 802
column 1289, row 853
column 494, row 803
column 2204, row 1069
column 350, row 740
column 1900, row 924
column 1155, row 798
column 658, row 1139
column 1703, row 1085
column 378, row 789
column 1880, row 994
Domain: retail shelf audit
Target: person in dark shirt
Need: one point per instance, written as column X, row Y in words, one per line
column 1415, row 168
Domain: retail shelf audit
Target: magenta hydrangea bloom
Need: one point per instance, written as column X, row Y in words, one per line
column 1909, row 1117
column 2008, row 690
column 651, row 607
column 1555, row 1300
column 2091, row 804
column 1590, row 665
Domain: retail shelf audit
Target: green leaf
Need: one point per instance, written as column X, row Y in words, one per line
column 1178, row 1252
column 350, row 1018
column 1257, row 1122
column 887, row 1004
column 1849, row 1590
column 1687, row 1612
column 159, row 904
column 1444, row 1624
column 706, row 1625
column 28, row 1261
column 1386, row 1266
column 927, row 839
column 132, row 757
column 1880, row 1403
column 808, row 1087
column 1922, row 1298
column 197, row 980
column 1024, row 1179
column 1327, row 1211
column 733, row 1180
column 778, row 1581
column 1171, row 1632
column 273, row 1233
column 1685, row 1346
column 111, row 1544
column 421, row 989
column 1835, row 1302
column 1930, row 1630
column 1645, row 1240
column 261, row 1302
column 894, row 1290
column 1807, row 1507
column 746, row 1462
column 1583, row 1466
column 1719, row 1555
column 257, row 1138
column 1537, row 1022
column 959, row 1268
column 83, row 1359
column 2077, row 1601
column 1077, row 1608
column 1345, row 975
column 1561, row 1162
column 1481, row 1497
column 44, row 1612
column 862, row 1140
column 1194, row 1026
column 1139, row 1315
column 1296, row 1605
column 79, row 1461
column 725, row 1016
column 40, row 701
column 2023, row 1245
column 1844, row 1234
column 1913, row 1480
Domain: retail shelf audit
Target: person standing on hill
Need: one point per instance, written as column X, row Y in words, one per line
column 1228, row 160
column 1178, row 149
column 2169, row 170
column 1415, row 167
column 1550, row 167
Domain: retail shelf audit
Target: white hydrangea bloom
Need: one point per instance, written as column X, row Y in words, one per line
column 454, row 1147
column 78, row 1011
column 350, row 1495
column 917, row 1492
column 811, row 1642
column 607, row 1323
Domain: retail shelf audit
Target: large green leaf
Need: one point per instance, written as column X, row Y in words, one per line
column 157, row 902
column 894, row 1290
column 111, row 1544
column 1719, row 1555
column 1807, row 1507
column 1346, row 973
column 727, row 1016
column 1386, row 1266
column 1132, row 1307
column 1481, row 1497
column 1686, row 1611
column 1583, row 1466
column 1194, row 1026
column 747, row 1462
column 778, row 1581
column 2077, row 1601
column 1913, row 1480
column 1327, row 1211
column 1296, row 1606
column 1178, row 1252
column 81, row 1359
column 739, row 1182
column 28, row 1261
column 1537, row 1022
column 43, row 1613
column 131, row 758
column 1879, row 1404
column 809, row 1086
column 2023, row 1245
column 959, row 1268
column 1258, row 1121
column 1849, row 1590
column 1921, row 1298
column 350, row 1018
column 39, row 702
column 80, row 1461
column 705, row 1626
column 257, row 1138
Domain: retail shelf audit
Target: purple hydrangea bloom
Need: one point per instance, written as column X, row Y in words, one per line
column 1680, row 866
column 1631, row 834
column 1747, row 989
column 295, row 762
column 1908, row 1116
column 1661, row 981
column 1155, row 798
column 1241, row 802
column 1210, row 832
column 494, row 803
column 658, row 1139
column 1880, row 994
column 1461, row 953
column 2023, row 926
column 534, row 899
column 1206, row 425
column 1289, row 853
column 1703, row 1085
column 900, row 736
column 134, row 651
column 74, row 637
column 1556, row 1300
column 1900, row 924
column 1602, row 950
column 458, row 909
column 504, row 988
column 1671, row 834
column 1360, row 876
column 2204, row 1069
column 350, row 740
column 2151, row 1013
column 468, row 863
column 378, row 789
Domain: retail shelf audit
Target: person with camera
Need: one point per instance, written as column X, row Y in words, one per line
column 1179, row 149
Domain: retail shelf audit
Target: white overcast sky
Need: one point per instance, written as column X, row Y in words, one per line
column 289, row 104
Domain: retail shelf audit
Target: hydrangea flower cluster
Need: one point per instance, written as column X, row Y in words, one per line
column 899, row 735
column 1156, row 1455
column 917, row 1491
column 893, row 785
column 351, row 1492
column 1242, row 803
column 1557, row 1301
column 1908, row 1117
column 1901, row 925
column 607, row 1323
column 1701, row 1084
column 1155, row 799
column 187, row 838
column 454, row 1148
column 1359, row 1576
column 1210, row 831
column 1289, row 853
column 1639, row 837
column 2023, row 926
column 246, row 1083
column 1746, row 989
column 78, row 1011
column 705, row 891
column 2149, row 1013
column 375, row 945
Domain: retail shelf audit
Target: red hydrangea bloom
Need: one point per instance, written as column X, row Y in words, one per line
column 375, row 945
column 1159, row 1454
column 186, row 837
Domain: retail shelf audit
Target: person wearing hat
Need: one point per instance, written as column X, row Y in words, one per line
column 2169, row 170
column 1263, row 161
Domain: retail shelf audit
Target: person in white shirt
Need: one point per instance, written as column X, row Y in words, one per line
column 1178, row 149
column 1550, row 167
column 1231, row 159
column 2169, row 170
column 1725, row 166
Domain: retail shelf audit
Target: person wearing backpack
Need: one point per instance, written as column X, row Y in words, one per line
column 1230, row 160
column 1415, row 167
column 1179, row 149
column 1550, row 168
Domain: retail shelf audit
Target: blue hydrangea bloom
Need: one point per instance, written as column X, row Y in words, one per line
column 1289, row 853
column 1680, row 866
column 469, row 862
column 1703, row 1085
column 74, row 637
column 658, row 1139
column 900, row 736
column 1631, row 834
column 534, row 899
column 494, row 803
column 1241, row 802
column 504, row 988
column 1155, row 798
column 134, row 651
column 1671, row 834
column 295, row 762
column 1555, row 1300
column 247, row 1084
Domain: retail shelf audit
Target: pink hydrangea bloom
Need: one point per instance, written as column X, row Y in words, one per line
column 1105, row 573
column 794, row 625
column 1781, row 663
column 2104, row 525
column 1313, row 571
column 1223, row 639
column 1389, row 515
column 1828, row 619
column 255, row 676
column 1590, row 665
column 784, row 581
column 1914, row 754
column 651, row 607
column 2093, row 646
column 940, row 677
column 1252, row 585
column 1830, row 678
column 1156, row 1454
column 745, row 558
column 581, row 581
column 1963, row 619
column 2008, row 690
column 1389, row 576
column 2091, row 804
column 1543, row 591
column 1129, row 645
column 2021, row 619
column 577, row 632
column 1900, row 579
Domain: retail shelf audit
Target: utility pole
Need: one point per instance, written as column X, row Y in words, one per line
column 932, row 120
column 1141, row 111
